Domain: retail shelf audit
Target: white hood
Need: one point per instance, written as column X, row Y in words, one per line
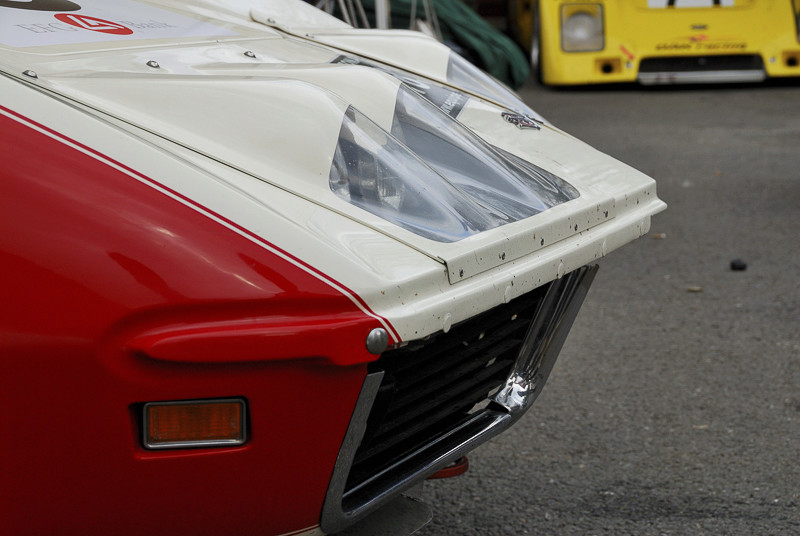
column 271, row 106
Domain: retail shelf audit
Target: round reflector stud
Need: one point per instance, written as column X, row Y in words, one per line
column 377, row 341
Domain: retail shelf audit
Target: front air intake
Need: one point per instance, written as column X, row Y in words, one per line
column 428, row 403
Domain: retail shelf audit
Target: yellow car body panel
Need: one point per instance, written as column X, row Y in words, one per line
column 663, row 41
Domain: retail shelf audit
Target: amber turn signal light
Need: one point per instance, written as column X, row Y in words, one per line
column 194, row 423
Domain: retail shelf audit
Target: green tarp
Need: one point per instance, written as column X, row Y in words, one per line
column 489, row 49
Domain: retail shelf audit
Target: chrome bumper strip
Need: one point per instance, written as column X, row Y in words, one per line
column 702, row 77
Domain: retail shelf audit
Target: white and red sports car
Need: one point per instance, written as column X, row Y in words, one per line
column 263, row 272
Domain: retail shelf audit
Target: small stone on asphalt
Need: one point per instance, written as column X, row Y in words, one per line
column 738, row 265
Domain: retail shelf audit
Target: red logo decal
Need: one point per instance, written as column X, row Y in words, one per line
column 94, row 24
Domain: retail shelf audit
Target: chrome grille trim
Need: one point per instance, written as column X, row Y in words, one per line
column 739, row 68
column 557, row 307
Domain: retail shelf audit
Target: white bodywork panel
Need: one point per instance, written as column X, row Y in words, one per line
column 245, row 123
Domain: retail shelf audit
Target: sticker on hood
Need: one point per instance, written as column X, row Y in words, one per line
column 35, row 23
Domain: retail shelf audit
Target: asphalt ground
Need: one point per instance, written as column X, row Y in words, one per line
column 674, row 408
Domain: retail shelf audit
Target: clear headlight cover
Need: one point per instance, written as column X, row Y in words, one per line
column 373, row 171
column 498, row 182
column 433, row 176
column 462, row 73
column 582, row 28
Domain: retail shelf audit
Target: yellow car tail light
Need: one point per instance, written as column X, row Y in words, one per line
column 582, row 27
column 194, row 423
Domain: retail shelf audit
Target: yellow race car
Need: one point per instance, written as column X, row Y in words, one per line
column 658, row 41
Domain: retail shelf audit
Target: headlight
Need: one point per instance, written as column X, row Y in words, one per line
column 373, row 171
column 582, row 27
column 493, row 179
column 462, row 73
column 433, row 176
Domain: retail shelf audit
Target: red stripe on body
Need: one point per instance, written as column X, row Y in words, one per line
column 209, row 213
column 90, row 259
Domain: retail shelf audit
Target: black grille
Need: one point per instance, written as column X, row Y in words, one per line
column 686, row 64
column 424, row 405
column 432, row 387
